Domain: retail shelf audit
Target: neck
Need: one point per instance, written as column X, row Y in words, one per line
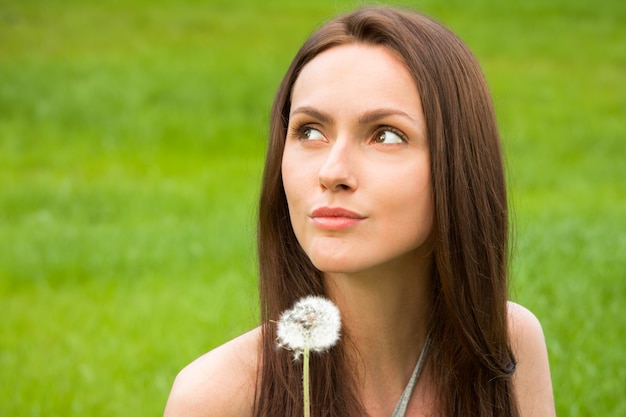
column 385, row 317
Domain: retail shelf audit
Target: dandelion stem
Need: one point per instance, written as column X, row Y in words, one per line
column 312, row 325
column 305, row 382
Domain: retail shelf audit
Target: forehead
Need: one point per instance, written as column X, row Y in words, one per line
column 359, row 76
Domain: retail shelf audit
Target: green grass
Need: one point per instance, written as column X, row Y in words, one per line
column 131, row 145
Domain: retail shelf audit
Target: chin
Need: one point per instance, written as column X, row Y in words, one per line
column 339, row 265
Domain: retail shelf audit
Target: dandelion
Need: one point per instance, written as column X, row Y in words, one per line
column 312, row 324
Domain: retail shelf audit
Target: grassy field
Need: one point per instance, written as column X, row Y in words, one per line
column 131, row 143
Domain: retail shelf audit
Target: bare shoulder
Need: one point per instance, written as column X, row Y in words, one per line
column 532, row 382
column 221, row 383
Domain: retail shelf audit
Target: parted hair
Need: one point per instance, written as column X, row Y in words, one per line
column 471, row 362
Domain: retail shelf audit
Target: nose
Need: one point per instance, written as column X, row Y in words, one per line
column 337, row 171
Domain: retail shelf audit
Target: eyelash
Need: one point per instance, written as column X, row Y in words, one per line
column 393, row 130
column 299, row 129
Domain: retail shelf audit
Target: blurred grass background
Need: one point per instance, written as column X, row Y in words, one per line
column 131, row 144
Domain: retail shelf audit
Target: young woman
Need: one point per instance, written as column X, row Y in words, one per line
column 383, row 191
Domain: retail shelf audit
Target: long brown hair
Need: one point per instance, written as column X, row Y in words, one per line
column 471, row 360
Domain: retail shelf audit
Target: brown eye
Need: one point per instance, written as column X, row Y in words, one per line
column 309, row 133
column 388, row 137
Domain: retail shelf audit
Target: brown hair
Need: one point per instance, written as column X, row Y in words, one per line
column 471, row 360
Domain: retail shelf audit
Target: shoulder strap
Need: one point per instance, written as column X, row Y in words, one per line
column 400, row 410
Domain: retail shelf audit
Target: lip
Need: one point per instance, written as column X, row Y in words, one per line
column 335, row 218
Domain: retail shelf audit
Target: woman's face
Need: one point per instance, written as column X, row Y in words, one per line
column 356, row 167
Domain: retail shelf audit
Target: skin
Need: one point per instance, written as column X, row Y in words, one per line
column 357, row 141
column 366, row 153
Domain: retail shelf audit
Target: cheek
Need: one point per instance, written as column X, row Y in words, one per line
column 296, row 181
column 425, row 203
column 410, row 206
column 414, row 208
column 290, row 179
column 300, row 173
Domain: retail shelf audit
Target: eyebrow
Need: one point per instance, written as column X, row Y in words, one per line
column 378, row 114
column 322, row 117
column 370, row 116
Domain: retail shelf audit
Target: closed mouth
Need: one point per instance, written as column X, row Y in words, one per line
column 335, row 212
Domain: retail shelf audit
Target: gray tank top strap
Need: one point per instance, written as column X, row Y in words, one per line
column 400, row 410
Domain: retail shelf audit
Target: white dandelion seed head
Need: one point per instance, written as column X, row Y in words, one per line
column 313, row 321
